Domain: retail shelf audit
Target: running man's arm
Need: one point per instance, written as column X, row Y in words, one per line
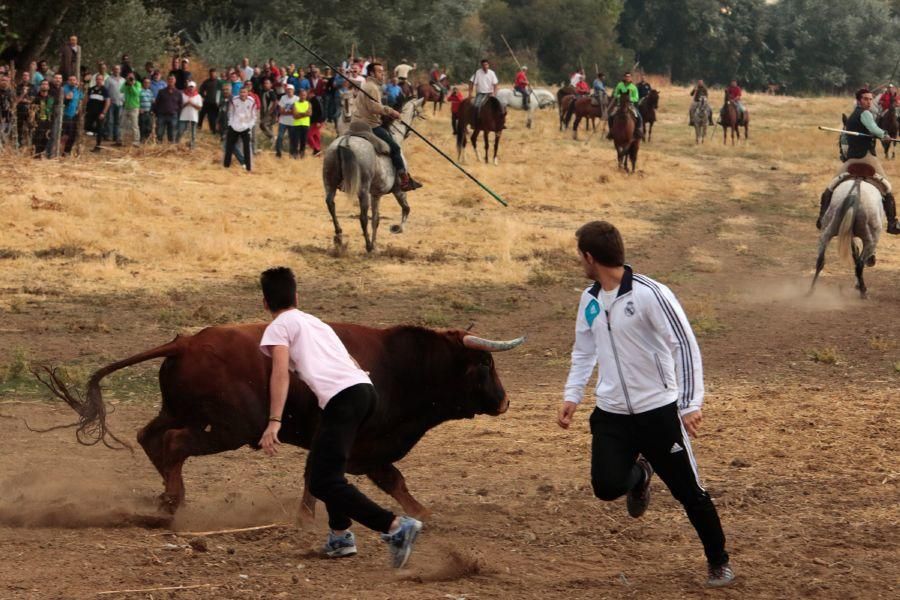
column 584, row 359
column 672, row 323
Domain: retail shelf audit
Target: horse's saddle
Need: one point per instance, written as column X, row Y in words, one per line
column 595, row 100
column 364, row 130
column 867, row 173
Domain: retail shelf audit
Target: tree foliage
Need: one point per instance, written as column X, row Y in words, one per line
column 810, row 45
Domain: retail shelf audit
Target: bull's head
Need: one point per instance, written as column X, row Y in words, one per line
column 483, row 391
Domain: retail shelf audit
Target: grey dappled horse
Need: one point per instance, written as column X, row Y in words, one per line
column 352, row 165
column 512, row 99
column 855, row 211
column 700, row 118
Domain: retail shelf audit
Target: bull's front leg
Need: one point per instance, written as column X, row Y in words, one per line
column 390, row 480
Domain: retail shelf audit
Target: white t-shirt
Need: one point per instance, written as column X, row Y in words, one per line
column 402, row 70
column 190, row 107
column 484, row 81
column 607, row 298
column 247, row 72
column 317, row 354
column 286, row 104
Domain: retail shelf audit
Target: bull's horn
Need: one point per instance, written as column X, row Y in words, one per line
column 477, row 343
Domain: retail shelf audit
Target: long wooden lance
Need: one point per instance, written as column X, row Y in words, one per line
column 493, row 194
column 857, row 134
column 518, row 64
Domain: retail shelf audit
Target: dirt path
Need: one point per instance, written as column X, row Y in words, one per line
column 799, row 454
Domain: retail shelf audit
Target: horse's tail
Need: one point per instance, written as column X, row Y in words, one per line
column 847, row 215
column 350, row 171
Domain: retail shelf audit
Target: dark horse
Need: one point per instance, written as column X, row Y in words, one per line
column 648, row 107
column 583, row 107
column 429, row 94
column 622, row 130
column 491, row 117
column 888, row 122
column 561, row 95
column 730, row 120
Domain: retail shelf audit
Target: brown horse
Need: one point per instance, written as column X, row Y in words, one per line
column 561, row 95
column 648, row 106
column 622, row 130
column 888, row 122
column 429, row 94
column 491, row 117
column 730, row 120
column 583, row 107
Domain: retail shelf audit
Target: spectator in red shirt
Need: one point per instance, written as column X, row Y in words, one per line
column 455, row 99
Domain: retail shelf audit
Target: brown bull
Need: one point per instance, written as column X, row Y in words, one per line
column 215, row 398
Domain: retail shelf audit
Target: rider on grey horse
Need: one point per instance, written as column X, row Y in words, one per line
column 369, row 110
column 699, row 91
column 861, row 149
column 485, row 83
column 523, row 86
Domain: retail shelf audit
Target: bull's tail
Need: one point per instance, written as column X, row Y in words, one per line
column 847, row 215
column 350, row 171
column 91, row 426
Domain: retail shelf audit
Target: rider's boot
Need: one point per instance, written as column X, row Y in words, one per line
column 890, row 209
column 824, row 201
column 407, row 183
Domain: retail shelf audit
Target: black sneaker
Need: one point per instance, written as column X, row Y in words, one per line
column 638, row 498
column 720, row 576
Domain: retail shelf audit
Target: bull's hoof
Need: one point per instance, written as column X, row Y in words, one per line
column 396, row 228
column 168, row 503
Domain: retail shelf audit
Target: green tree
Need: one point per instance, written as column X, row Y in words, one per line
column 562, row 35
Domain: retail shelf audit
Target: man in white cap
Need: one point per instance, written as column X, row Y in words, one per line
column 523, row 86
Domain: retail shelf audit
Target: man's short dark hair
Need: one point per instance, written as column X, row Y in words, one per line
column 626, row 73
column 484, row 60
column 602, row 241
column 279, row 287
column 861, row 92
column 371, row 68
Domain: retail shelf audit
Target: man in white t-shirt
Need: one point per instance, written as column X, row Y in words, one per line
column 299, row 342
column 484, row 82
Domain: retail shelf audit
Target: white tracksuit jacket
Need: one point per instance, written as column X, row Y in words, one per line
column 648, row 356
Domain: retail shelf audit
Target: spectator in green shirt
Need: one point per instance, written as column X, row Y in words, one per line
column 131, row 91
column 626, row 87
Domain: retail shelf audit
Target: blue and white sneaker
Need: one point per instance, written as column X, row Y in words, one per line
column 400, row 542
column 340, row 546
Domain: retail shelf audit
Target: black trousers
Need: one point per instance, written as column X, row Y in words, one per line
column 660, row 437
column 396, row 158
column 211, row 113
column 93, row 122
column 231, row 138
column 298, row 142
column 327, row 461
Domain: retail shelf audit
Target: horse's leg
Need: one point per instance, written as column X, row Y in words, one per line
column 487, row 146
column 329, row 201
column 474, row 141
column 496, row 145
column 364, row 201
column 376, row 217
column 404, row 207
column 860, row 282
column 820, row 263
column 575, row 126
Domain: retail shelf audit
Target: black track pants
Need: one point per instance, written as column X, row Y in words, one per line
column 328, row 457
column 659, row 436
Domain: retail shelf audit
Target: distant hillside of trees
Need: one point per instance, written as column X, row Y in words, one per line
column 807, row 45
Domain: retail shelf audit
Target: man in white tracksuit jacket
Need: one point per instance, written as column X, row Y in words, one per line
column 649, row 389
